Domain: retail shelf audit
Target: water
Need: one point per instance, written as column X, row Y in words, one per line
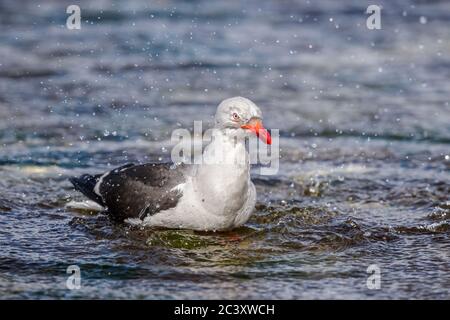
column 365, row 136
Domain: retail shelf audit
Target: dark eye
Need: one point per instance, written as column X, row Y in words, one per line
column 236, row 116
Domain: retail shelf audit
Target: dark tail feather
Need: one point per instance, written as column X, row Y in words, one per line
column 86, row 184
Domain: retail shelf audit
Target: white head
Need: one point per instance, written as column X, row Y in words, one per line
column 241, row 114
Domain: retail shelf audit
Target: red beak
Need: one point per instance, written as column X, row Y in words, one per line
column 256, row 126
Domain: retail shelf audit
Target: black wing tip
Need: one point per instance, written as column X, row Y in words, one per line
column 86, row 184
column 74, row 181
column 83, row 181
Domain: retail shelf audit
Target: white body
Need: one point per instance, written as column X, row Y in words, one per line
column 218, row 196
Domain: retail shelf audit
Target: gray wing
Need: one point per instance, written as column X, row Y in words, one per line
column 141, row 190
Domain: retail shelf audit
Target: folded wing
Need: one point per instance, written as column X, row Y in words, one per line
column 135, row 191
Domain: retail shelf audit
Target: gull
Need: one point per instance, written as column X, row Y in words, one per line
column 215, row 195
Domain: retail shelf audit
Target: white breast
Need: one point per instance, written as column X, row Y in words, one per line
column 219, row 196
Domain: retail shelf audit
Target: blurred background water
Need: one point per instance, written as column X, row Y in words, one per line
column 364, row 118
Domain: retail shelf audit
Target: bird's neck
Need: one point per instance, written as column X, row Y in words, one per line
column 225, row 160
column 227, row 149
column 224, row 175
